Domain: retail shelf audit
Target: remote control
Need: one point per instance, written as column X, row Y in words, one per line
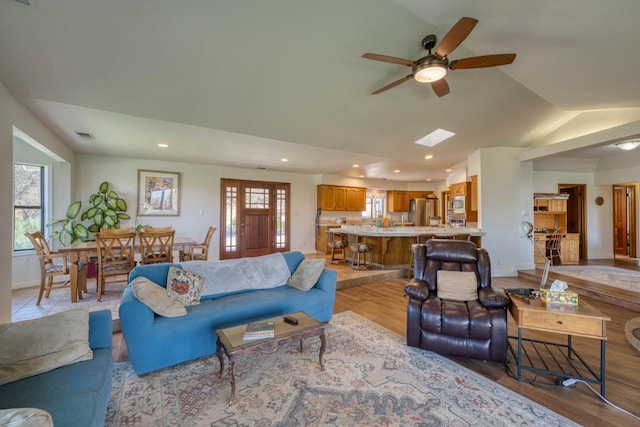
column 290, row 320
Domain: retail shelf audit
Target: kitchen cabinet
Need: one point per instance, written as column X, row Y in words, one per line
column 339, row 198
column 419, row 195
column 397, row 201
column 549, row 211
column 356, row 199
column 459, row 189
column 474, row 193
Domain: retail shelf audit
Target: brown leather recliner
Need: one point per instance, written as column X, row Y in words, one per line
column 477, row 328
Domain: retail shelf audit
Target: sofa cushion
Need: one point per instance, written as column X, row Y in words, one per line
column 156, row 298
column 242, row 274
column 307, row 274
column 457, row 285
column 25, row 417
column 184, row 286
column 41, row 345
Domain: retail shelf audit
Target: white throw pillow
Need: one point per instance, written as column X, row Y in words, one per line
column 307, row 274
column 184, row 286
column 457, row 285
column 40, row 345
column 25, row 417
column 155, row 297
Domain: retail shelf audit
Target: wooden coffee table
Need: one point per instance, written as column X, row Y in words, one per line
column 230, row 341
column 558, row 359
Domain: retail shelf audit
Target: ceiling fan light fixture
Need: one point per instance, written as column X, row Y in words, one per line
column 628, row 145
column 430, row 73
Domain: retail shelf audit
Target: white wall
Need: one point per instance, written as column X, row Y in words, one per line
column 505, row 189
column 13, row 114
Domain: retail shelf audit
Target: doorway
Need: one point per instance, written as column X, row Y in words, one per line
column 624, row 221
column 576, row 213
column 255, row 215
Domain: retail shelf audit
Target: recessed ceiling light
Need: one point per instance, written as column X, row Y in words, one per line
column 361, row 176
column 428, row 179
column 355, row 166
column 448, row 170
column 428, row 157
column 396, row 171
column 435, row 137
column 628, row 145
column 162, row 145
column 284, row 160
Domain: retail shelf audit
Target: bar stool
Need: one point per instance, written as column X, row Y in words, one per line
column 357, row 248
column 337, row 244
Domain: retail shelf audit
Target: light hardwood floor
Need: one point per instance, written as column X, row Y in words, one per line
column 383, row 301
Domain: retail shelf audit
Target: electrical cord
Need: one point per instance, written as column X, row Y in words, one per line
column 603, row 398
column 569, row 382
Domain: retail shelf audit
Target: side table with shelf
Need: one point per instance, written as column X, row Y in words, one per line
column 555, row 358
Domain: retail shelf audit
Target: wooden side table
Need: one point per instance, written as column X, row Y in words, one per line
column 230, row 341
column 552, row 358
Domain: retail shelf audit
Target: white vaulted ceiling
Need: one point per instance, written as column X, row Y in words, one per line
column 246, row 83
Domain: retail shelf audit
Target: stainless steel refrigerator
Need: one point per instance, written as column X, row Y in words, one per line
column 421, row 209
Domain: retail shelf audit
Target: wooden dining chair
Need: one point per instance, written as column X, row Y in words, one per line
column 198, row 252
column 116, row 251
column 554, row 244
column 156, row 245
column 52, row 264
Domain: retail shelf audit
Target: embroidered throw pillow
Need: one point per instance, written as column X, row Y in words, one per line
column 155, row 297
column 184, row 286
column 307, row 274
column 457, row 285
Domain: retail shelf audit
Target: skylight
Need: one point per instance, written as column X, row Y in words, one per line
column 435, row 137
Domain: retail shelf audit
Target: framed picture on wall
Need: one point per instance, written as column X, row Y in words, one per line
column 158, row 193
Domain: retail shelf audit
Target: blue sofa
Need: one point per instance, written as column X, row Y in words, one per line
column 155, row 342
column 76, row 394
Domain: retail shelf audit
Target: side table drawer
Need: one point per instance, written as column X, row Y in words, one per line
column 560, row 322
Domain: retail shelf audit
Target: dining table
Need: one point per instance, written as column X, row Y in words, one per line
column 81, row 251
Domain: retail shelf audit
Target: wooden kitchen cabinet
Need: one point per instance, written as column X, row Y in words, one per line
column 397, row 201
column 460, row 189
column 322, row 238
column 356, row 199
column 338, row 198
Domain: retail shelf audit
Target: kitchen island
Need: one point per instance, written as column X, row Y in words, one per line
column 391, row 246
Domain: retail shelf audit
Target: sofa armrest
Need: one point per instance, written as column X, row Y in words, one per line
column 493, row 298
column 417, row 289
column 136, row 318
column 100, row 329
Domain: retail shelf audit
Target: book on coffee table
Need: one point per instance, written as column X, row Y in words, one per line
column 259, row 330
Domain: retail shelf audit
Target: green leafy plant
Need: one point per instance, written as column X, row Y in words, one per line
column 106, row 210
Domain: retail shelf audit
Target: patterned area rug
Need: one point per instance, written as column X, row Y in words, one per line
column 609, row 276
column 371, row 378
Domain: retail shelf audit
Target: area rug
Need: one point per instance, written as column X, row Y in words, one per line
column 632, row 332
column 372, row 378
column 609, row 276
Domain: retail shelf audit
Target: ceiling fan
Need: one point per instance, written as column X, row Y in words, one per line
column 433, row 67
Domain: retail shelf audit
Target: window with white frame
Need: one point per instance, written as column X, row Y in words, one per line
column 28, row 203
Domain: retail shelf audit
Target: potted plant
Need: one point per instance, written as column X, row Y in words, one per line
column 106, row 210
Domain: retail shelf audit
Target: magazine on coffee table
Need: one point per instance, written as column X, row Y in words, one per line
column 259, row 330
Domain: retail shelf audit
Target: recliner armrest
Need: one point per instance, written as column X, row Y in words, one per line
column 417, row 289
column 493, row 298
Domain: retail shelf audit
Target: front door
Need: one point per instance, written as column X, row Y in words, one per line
column 256, row 218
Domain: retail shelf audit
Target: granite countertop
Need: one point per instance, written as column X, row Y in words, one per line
column 405, row 231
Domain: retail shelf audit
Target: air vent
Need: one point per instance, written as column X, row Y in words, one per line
column 85, row 135
column 262, row 168
column 24, row 2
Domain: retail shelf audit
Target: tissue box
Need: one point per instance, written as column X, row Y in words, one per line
column 556, row 297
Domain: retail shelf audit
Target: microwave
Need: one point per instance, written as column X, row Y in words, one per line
column 457, row 204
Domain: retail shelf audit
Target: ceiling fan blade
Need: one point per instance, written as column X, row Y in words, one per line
column 455, row 36
column 483, row 61
column 385, row 58
column 440, row 87
column 394, row 84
